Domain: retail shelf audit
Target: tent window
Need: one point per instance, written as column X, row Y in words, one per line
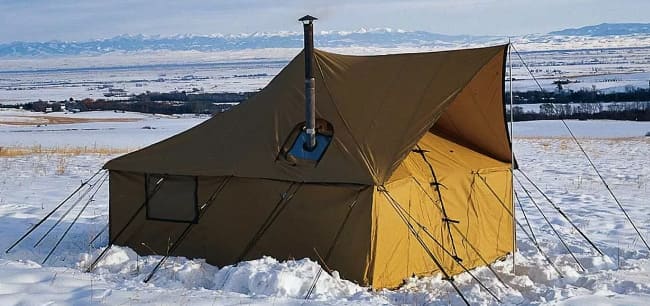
column 294, row 150
column 172, row 198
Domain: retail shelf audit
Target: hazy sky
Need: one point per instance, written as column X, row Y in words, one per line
column 41, row 20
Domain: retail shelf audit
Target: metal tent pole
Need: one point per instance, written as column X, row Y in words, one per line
column 51, row 212
column 512, row 161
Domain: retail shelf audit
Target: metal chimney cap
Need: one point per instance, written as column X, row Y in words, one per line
column 307, row 19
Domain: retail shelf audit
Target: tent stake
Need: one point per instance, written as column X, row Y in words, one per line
column 539, row 248
column 51, row 212
column 98, row 234
column 90, row 200
column 523, row 212
column 171, row 250
column 318, row 274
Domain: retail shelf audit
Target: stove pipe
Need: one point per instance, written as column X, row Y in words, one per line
column 310, row 83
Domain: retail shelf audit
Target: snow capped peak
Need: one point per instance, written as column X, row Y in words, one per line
column 368, row 37
column 634, row 33
column 365, row 31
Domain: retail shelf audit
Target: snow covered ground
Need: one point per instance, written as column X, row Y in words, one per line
column 32, row 184
column 62, row 83
column 60, row 78
column 603, row 129
column 103, row 134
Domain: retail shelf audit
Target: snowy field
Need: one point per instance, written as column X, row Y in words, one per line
column 33, row 182
column 94, row 82
column 103, row 133
column 603, row 69
column 61, row 78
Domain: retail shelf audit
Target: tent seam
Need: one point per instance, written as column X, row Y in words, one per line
column 345, row 123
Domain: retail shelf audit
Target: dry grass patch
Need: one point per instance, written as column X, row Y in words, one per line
column 568, row 138
column 61, row 165
column 35, row 120
column 37, row 149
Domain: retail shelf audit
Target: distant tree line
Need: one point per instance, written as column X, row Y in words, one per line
column 149, row 102
column 631, row 104
column 631, row 94
column 635, row 111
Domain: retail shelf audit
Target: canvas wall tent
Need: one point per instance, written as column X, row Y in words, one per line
column 397, row 129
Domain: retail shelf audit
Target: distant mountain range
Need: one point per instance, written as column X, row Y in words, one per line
column 607, row 29
column 383, row 38
column 218, row 42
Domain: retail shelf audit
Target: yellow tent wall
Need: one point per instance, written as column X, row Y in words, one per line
column 483, row 209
